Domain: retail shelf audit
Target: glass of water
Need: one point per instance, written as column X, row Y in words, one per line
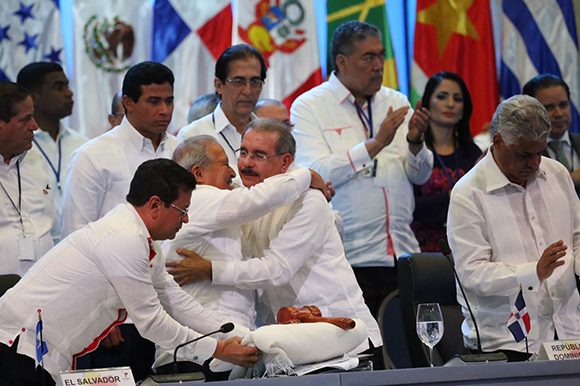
column 429, row 326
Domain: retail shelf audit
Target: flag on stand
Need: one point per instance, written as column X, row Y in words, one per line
column 188, row 37
column 29, row 32
column 285, row 34
column 457, row 36
column 40, row 344
column 519, row 320
column 532, row 45
column 109, row 37
column 372, row 12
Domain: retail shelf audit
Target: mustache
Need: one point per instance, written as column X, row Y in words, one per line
column 249, row 172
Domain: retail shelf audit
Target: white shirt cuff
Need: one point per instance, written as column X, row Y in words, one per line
column 359, row 157
column 199, row 352
column 421, row 156
column 222, row 272
column 528, row 277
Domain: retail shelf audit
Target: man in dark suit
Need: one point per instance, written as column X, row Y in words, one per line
column 563, row 145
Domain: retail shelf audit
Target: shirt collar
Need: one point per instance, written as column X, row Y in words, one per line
column 221, row 122
column 494, row 177
column 340, row 91
column 132, row 137
column 139, row 220
column 45, row 136
column 565, row 138
column 17, row 158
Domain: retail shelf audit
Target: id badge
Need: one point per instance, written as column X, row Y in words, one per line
column 26, row 247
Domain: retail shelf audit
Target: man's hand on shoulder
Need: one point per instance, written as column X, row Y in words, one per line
column 191, row 269
column 317, row 182
column 550, row 259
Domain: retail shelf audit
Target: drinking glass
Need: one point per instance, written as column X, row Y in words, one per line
column 429, row 326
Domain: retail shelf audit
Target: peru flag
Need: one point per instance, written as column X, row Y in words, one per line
column 285, row 34
column 188, row 37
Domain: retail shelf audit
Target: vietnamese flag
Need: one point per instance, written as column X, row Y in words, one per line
column 457, row 36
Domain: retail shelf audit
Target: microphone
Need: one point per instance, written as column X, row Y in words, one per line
column 480, row 356
column 226, row 327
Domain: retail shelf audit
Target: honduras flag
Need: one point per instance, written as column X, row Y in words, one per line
column 519, row 320
column 539, row 36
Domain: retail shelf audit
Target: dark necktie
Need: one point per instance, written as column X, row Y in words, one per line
column 558, row 148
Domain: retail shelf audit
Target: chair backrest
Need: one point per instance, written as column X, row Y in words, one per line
column 8, row 281
column 395, row 351
column 428, row 278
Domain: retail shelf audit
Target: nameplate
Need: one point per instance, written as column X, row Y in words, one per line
column 118, row 376
column 560, row 350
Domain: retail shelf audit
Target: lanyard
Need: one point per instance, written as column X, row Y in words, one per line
column 222, row 134
column 56, row 171
column 19, row 207
column 367, row 120
column 446, row 171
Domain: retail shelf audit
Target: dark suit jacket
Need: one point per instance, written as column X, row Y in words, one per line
column 575, row 139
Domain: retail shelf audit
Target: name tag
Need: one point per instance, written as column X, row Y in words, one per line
column 26, row 247
column 118, row 376
column 560, row 350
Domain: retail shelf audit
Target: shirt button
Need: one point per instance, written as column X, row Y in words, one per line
column 23, row 329
column 10, row 342
column 195, row 358
column 530, row 288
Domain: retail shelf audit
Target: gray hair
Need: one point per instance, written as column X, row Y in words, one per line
column 520, row 117
column 194, row 152
column 202, row 106
column 268, row 102
column 347, row 34
column 286, row 142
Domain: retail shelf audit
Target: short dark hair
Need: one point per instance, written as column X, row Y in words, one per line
column 347, row 34
column 143, row 74
column 11, row 94
column 286, row 142
column 159, row 177
column 33, row 75
column 543, row 81
column 462, row 134
column 238, row 52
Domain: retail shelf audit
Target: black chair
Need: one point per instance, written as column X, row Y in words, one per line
column 428, row 278
column 8, row 281
column 395, row 352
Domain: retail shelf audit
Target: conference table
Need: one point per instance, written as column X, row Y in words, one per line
column 554, row 373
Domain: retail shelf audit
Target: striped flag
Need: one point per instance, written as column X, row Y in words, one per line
column 188, row 37
column 372, row 12
column 538, row 37
column 29, row 32
column 41, row 348
column 457, row 36
column 519, row 320
column 285, row 34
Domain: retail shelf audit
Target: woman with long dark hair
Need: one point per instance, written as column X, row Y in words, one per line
column 447, row 98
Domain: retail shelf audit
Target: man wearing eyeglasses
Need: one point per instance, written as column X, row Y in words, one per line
column 563, row 145
column 298, row 258
column 240, row 72
column 99, row 175
column 367, row 140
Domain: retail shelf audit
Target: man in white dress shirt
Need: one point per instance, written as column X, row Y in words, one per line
column 99, row 176
column 101, row 274
column 368, row 142
column 53, row 101
column 240, row 72
column 298, row 258
column 514, row 224
column 217, row 211
column 26, row 203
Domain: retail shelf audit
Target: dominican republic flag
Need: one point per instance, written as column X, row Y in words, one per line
column 41, row 348
column 519, row 320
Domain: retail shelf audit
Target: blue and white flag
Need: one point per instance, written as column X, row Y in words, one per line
column 29, row 32
column 41, row 348
column 519, row 322
column 539, row 36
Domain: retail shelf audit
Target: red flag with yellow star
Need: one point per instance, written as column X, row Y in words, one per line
column 457, row 36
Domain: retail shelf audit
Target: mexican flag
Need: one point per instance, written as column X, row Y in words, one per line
column 372, row 12
column 457, row 36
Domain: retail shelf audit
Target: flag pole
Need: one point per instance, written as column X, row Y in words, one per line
column 527, row 350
